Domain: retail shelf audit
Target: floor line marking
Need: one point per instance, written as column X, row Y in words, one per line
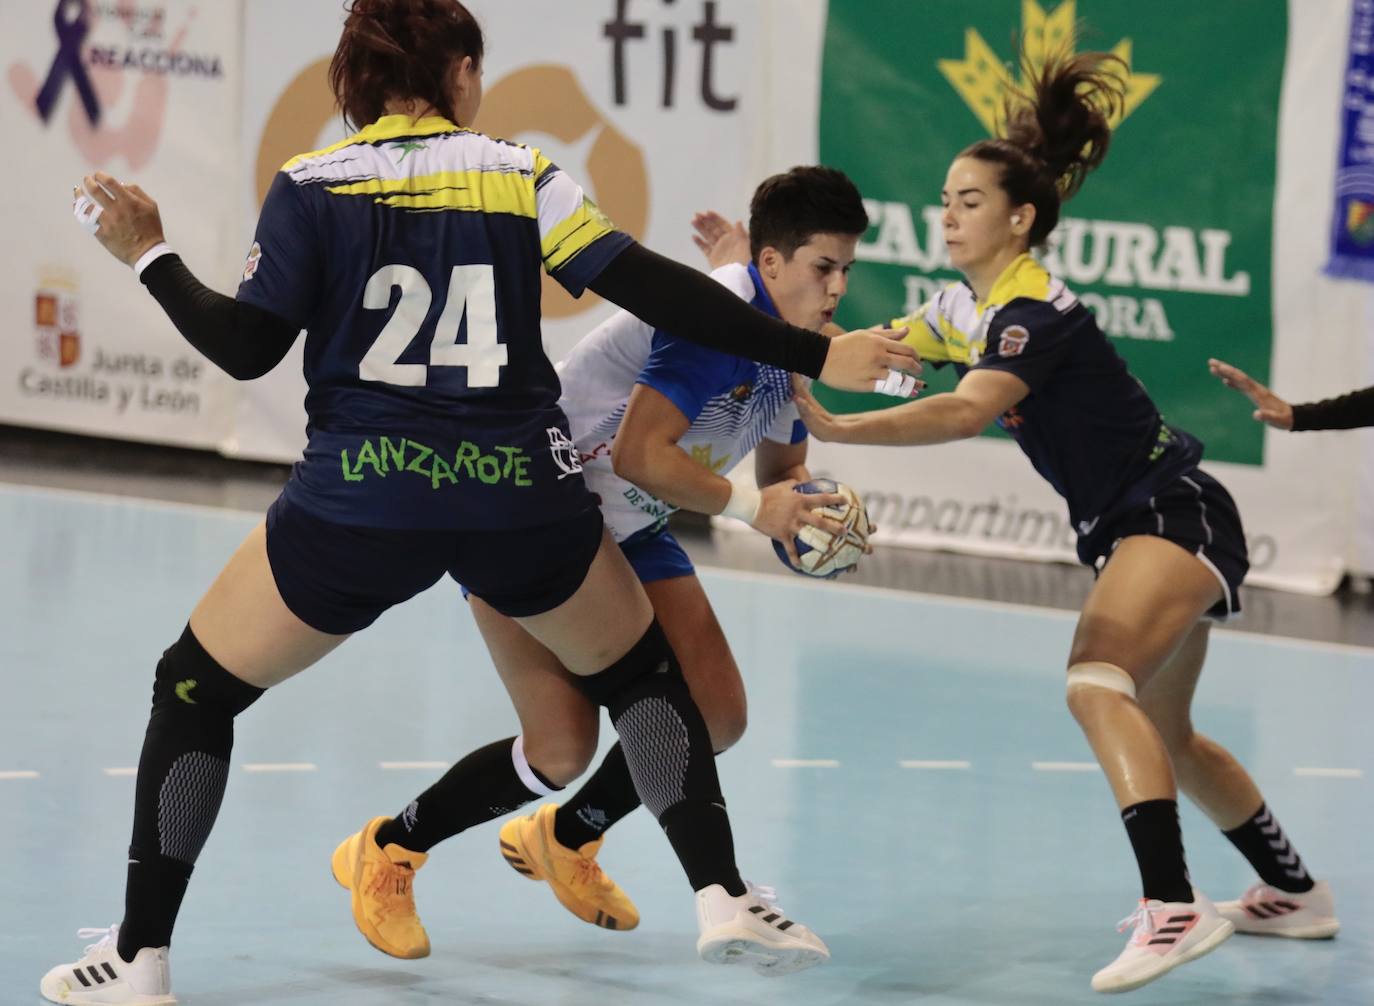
column 1329, row 773
column 400, row 765
column 805, row 763
column 120, row 772
column 285, row 766
column 19, row 774
column 1065, row 766
column 918, row 763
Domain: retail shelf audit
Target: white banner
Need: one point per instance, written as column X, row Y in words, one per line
column 657, row 110
column 144, row 92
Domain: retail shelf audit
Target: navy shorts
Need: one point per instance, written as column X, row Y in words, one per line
column 338, row 579
column 655, row 554
column 1195, row 512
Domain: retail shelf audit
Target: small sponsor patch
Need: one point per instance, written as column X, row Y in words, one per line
column 1014, row 339
column 250, row 265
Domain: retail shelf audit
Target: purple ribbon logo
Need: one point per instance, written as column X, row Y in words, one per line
column 72, row 20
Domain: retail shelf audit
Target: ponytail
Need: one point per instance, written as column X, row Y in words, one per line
column 1053, row 136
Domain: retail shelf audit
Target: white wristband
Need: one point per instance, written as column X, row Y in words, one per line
column 150, row 256
column 743, row 504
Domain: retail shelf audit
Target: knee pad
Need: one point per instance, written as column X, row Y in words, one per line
column 650, row 661
column 184, row 768
column 1100, row 674
column 190, row 680
column 662, row 733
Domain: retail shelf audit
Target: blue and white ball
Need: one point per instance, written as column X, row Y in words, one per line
column 823, row 554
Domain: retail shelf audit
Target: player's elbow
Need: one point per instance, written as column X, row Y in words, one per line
column 629, row 458
column 971, row 420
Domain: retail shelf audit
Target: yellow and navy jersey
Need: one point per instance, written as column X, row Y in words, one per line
column 1088, row 426
column 411, row 253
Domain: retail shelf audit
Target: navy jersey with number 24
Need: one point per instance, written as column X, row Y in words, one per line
column 411, row 253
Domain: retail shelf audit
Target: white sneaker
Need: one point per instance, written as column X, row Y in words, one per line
column 1166, row 935
column 101, row 978
column 753, row 929
column 1267, row 911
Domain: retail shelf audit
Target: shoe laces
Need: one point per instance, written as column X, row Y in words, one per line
column 766, row 895
column 104, row 938
column 589, row 873
column 1142, row 920
column 391, row 886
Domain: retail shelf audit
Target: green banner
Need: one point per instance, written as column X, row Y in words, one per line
column 1169, row 241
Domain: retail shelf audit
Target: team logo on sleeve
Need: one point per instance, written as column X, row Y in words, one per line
column 250, row 265
column 1014, row 339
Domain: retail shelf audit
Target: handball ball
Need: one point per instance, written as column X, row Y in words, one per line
column 823, row 554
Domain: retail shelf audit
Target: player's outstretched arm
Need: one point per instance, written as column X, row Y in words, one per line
column 970, row 408
column 1269, row 407
column 241, row 339
column 673, row 297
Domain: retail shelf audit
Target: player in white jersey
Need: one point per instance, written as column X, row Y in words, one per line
column 656, row 423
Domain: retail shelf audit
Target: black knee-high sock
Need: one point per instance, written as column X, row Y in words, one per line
column 668, row 751
column 484, row 785
column 1158, row 843
column 182, row 775
column 604, row 799
column 1263, row 843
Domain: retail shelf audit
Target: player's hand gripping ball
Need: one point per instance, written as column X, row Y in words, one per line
column 823, row 554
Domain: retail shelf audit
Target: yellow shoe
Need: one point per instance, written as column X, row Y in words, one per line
column 383, row 896
column 577, row 881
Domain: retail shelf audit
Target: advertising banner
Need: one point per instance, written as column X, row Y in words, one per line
column 148, row 93
column 1352, row 222
column 1171, row 243
column 657, row 109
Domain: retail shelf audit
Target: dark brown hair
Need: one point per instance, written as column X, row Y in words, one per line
column 399, row 49
column 789, row 209
column 1056, row 134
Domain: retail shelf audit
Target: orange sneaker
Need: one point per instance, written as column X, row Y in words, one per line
column 529, row 846
column 383, row 894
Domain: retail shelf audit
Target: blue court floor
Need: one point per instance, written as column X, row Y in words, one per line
column 910, row 782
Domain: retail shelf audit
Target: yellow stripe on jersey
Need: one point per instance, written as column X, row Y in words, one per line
column 1025, row 277
column 541, row 164
column 950, row 327
column 919, row 336
column 572, row 235
column 388, row 127
column 478, row 191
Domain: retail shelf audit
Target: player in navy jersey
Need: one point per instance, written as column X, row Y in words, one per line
column 658, row 422
column 1164, row 537
column 411, row 255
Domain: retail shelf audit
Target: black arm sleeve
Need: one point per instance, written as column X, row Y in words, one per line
column 691, row 305
column 242, row 340
column 1344, row 413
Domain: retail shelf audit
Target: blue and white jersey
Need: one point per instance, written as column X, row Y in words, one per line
column 732, row 403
